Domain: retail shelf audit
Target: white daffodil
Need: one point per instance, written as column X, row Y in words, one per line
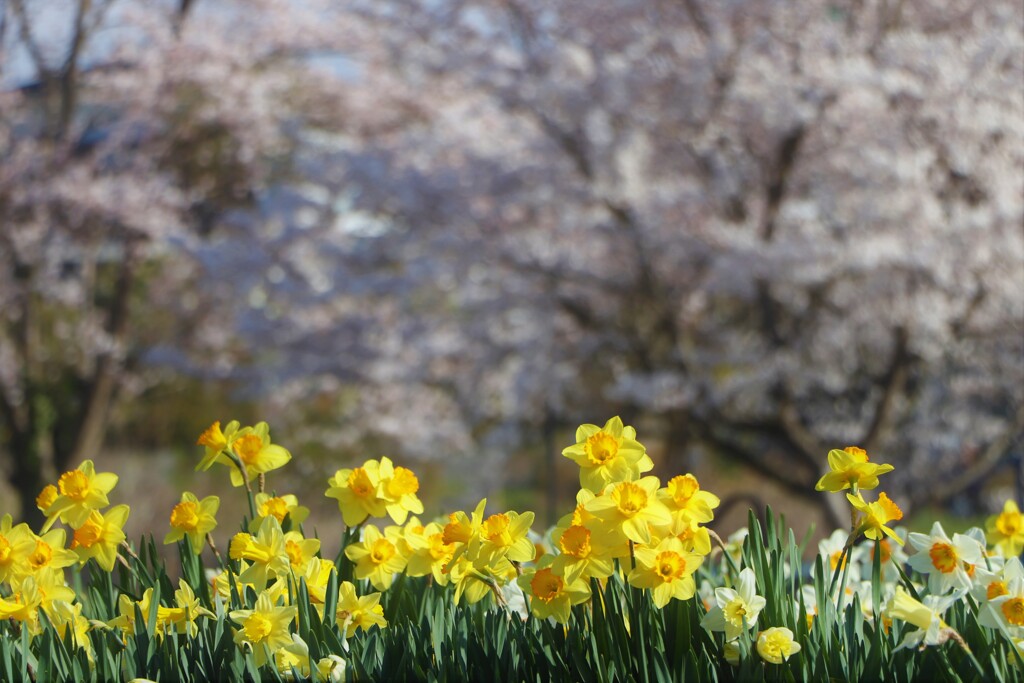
column 926, row 616
column 947, row 562
column 736, row 609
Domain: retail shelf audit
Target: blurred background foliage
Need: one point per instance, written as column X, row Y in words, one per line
column 450, row 232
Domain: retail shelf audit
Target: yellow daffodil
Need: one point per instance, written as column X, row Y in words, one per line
column 735, row 609
column 50, row 551
column 378, row 556
column 356, row 491
column 608, row 455
column 358, row 612
column 428, row 553
column 16, row 544
column 182, row 617
column 23, row 605
column 398, row 487
column 264, row 628
column 125, row 620
column 551, row 595
column 504, row 535
column 193, row 518
column 776, row 644
column 279, row 507
column 265, row 551
column 317, row 573
column 666, row 570
column 46, row 497
column 626, row 509
column 257, row 453
column 470, row 583
column 1006, row 530
column 292, row 660
column 80, row 491
column 685, row 499
column 876, row 516
column 100, row 535
column 216, row 442
column 850, row 467
column 299, row 549
column 67, row 617
column 926, row 616
column 580, row 555
column 694, row 537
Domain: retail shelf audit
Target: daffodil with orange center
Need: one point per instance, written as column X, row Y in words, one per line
column 685, row 499
column 79, row 492
column 504, row 535
column 428, row 553
column 580, row 555
column 193, row 518
column 285, row 509
column 666, row 570
column 398, row 487
column 377, row 556
column 263, row 629
column 943, row 559
column 851, row 468
column 876, row 516
column 628, row 510
column 217, row 441
column 1006, row 530
column 50, row 551
column 255, row 450
column 100, row 535
column 299, row 549
column 552, row 595
column 46, row 497
column 356, row 491
column 608, row 455
column 16, row 544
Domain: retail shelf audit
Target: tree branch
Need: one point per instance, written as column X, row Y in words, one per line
column 939, row 494
column 895, row 380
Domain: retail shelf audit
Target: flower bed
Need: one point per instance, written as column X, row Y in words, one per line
column 630, row 584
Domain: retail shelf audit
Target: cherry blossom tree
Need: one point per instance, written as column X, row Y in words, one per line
column 780, row 229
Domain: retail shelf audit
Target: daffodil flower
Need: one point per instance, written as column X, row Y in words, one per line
column 80, row 491
column 608, row 455
column 945, row 561
column 776, row 644
column 265, row 628
column 356, row 491
column 398, row 487
column 378, row 556
column 876, row 515
column 628, row 508
column 736, row 609
column 100, row 535
column 550, row 594
column 685, row 499
column 666, row 570
column 851, row 467
column 1006, row 530
column 926, row 616
column 193, row 518
column 358, row 612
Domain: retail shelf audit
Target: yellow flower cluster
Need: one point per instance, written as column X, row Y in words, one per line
column 32, row 566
